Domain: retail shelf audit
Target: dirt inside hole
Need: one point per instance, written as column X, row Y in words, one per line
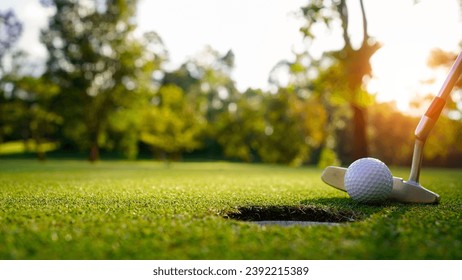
column 301, row 213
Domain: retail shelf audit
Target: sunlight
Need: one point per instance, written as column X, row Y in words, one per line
column 401, row 75
column 400, row 71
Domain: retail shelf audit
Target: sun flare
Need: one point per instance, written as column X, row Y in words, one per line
column 400, row 71
column 401, row 76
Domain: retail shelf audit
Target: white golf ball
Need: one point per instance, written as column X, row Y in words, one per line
column 368, row 180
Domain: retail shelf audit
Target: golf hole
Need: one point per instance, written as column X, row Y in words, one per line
column 302, row 215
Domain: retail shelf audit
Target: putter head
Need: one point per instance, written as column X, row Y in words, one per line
column 403, row 191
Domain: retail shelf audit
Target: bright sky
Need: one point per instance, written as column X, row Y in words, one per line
column 263, row 32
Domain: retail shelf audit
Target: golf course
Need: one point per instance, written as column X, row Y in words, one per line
column 71, row 209
column 188, row 136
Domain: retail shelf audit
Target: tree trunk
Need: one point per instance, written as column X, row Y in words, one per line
column 94, row 152
column 357, row 67
column 360, row 147
column 93, row 128
column 41, row 156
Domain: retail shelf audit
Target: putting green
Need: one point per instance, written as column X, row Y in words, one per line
column 150, row 210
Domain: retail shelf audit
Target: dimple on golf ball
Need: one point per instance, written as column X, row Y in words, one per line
column 368, row 180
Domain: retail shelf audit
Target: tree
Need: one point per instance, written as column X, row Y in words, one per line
column 10, row 31
column 102, row 69
column 207, row 84
column 39, row 119
column 391, row 143
column 293, row 128
column 215, row 89
column 170, row 125
column 352, row 64
column 239, row 130
column 10, row 106
column 312, row 92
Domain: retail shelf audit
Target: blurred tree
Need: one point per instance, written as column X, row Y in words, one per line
column 10, row 106
column 391, row 143
column 170, row 125
column 183, row 78
column 28, row 114
column 314, row 90
column 240, row 129
column 10, row 31
column 330, row 86
column 104, row 72
column 444, row 145
column 292, row 128
column 207, row 84
column 39, row 119
column 351, row 64
column 216, row 89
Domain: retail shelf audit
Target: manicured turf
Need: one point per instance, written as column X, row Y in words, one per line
column 148, row 210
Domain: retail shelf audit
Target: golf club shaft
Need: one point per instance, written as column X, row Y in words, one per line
column 431, row 116
column 434, row 111
column 453, row 76
column 417, row 157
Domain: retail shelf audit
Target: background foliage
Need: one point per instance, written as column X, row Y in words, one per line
column 105, row 90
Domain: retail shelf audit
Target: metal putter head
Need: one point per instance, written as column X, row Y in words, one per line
column 410, row 191
column 403, row 191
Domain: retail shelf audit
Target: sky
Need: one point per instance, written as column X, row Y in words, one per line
column 263, row 32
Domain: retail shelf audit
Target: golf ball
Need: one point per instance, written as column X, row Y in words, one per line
column 368, row 180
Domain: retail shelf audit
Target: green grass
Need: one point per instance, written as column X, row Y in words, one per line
column 148, row 210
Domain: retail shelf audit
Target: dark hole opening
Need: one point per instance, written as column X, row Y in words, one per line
column 302, row 213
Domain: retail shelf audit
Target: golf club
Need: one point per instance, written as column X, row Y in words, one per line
column 410, row 191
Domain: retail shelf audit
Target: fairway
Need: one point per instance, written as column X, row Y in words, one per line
column 62, row 209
